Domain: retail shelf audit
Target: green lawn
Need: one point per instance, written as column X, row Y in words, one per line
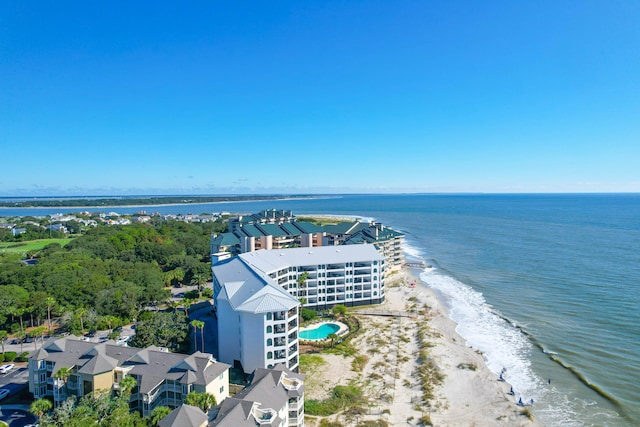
column 32, row 245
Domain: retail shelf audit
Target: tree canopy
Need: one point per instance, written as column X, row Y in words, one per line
column 109, row 271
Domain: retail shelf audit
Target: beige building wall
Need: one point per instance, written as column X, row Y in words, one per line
column 100, row 381
column 221, row 382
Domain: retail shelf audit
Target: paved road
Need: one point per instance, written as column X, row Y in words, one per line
column 16, row 379
column 16, row 415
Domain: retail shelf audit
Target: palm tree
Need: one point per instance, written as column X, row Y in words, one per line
column 200, row 280
column 193, row 323
column 176, row 275
column 110, row 321
column 20, row 337
column 203, row 401
column 333, row 338
column 3, row 337
column 39, row 332
column 159, row 413
column 81, row 312
column 50, row 301
column 186, row 304
column 127, row 384
column 39, row 407
column 198, row 324
column 302, row 284
column 201, row 326
column 63, row 374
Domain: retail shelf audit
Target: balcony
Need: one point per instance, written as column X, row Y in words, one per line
column 280, row 354
column 292, row 324
column 263, row 416
column 292, row 336
column 293, row 363
column 280, row 315
column 279, row 342
column 279, row 329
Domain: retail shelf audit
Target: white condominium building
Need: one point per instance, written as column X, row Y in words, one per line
column 257, row 319
column 325, row 276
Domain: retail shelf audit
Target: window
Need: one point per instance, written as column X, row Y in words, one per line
column 269, row 355
column 269, row 342
column 269, row 329
column 222, row 389
column 269, row 316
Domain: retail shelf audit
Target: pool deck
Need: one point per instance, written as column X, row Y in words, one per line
column 343, row 328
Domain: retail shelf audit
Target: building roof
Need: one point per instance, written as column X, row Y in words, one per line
column 226, row 239
column 248, row 290
column 250, row 230
column 345, row 227
column 308, row 227
column 277, row 259
column 272, row 229
column 270, row 389
column 151, row 365
column 184, row 416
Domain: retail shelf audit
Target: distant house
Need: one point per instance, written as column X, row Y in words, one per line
column 163, row 379
column 57, row 227
column 18, row 231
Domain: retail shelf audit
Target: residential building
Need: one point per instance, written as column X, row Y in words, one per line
column 274, row 397
column 351, row 275
column 257, row 318
column 272, row 229
column 185, row 416
column 163, row 378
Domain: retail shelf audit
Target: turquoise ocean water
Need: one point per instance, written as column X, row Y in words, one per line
column 546, row 286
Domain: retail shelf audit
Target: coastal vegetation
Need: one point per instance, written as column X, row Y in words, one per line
column 136, row 201
column 105, row 278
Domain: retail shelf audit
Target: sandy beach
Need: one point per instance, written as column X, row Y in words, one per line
column 469, row 394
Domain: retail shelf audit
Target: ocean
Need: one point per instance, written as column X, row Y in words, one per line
column 545, row 286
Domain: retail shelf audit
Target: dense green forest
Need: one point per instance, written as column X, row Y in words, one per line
column 135, row 201
column 104, row 277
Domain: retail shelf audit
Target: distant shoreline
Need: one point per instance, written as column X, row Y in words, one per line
column 143, row 202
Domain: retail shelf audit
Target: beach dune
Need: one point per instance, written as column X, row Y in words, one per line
column 468, row 394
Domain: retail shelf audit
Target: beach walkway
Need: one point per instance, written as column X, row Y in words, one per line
column 385, row 313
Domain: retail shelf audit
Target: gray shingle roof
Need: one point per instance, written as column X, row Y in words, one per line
column 184, row 416
column 151, row 364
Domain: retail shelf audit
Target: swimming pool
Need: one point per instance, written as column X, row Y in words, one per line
column 321, row 332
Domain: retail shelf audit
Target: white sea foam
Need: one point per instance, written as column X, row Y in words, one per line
column 502, row 344
column 412, row 251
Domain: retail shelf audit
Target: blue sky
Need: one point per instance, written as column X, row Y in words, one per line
column 107, row 98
